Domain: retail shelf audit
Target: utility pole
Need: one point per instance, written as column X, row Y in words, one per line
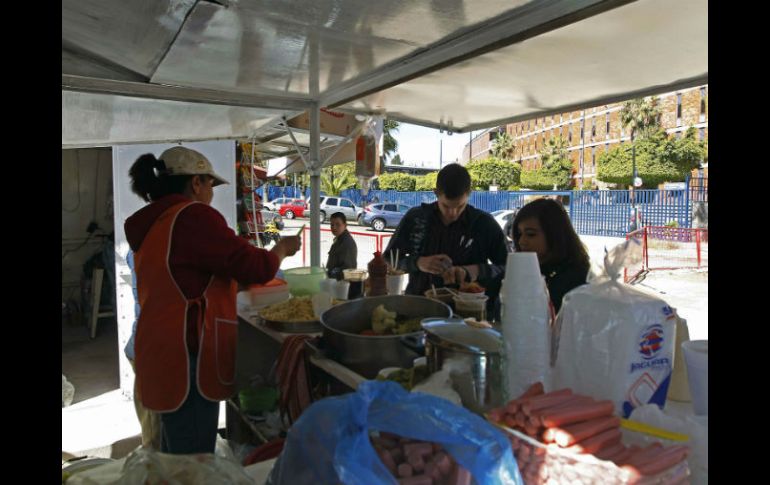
column 440, row 153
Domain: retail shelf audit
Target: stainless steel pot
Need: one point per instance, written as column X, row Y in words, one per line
column 478, row 352
column 342, row 325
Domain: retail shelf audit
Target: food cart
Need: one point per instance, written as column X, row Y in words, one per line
column 181, row 71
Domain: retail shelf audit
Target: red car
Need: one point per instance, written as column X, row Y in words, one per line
column 292, row 209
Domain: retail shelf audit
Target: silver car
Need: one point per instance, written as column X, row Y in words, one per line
column 331, row 204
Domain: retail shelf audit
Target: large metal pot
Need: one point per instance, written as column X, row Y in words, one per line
column 342, row 325
column 478, row 352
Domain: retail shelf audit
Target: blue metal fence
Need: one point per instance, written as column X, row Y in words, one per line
column 593, row 212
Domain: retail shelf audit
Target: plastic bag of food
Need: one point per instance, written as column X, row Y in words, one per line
column 440, row 384
column 612, row 341
column 330, row 442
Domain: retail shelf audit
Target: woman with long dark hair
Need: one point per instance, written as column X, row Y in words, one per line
column 543, row 227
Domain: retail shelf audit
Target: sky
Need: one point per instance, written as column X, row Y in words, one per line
column 419, row 146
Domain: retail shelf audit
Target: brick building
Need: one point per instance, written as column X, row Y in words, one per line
column 593, row 131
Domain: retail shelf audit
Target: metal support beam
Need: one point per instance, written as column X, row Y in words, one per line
column 315, row 186
column 281, row 103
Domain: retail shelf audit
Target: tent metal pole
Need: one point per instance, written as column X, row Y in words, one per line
column 315, row 186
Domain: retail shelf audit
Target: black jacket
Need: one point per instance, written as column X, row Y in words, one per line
column 475, row 238
column 342, row 255
column 561, row 278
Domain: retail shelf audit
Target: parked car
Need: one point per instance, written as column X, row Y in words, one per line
column 331, row 204
column 505, row 219
column 383, row 215
column 276, row 204
column 293, row 208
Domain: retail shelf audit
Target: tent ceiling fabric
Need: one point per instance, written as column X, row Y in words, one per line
column 162, row 70
column 102, row 119
column 645, row 44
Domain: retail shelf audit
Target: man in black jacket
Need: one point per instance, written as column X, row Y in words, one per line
column 344, row 253
column 450, row 241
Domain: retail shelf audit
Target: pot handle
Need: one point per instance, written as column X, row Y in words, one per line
column 415, row 343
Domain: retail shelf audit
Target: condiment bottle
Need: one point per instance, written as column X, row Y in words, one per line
column 378, row 270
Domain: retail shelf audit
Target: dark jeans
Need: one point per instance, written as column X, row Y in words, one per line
column 193, row 427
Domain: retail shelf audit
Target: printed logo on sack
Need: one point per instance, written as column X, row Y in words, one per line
column 651, row 341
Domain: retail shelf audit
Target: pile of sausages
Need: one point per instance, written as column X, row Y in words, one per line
column 562, row 421
column 415, row 462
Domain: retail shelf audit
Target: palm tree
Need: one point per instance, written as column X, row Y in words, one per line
column 503, row 147
column 337, row 178
column 641, row 115
column 389, row 143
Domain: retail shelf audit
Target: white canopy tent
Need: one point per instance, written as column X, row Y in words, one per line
column 154, row 71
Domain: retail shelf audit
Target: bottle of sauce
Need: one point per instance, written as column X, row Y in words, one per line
column 378, row 271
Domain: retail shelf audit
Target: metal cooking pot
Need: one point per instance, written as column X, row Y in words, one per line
column 343, row 323
column 479, row 354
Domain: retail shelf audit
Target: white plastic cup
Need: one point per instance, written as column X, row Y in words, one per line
column 396, row 283
column 696, row 356
column 327, row 285
column 340, row 290
column 522, row 274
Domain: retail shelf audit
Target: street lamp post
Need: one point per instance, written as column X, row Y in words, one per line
column 633, row 181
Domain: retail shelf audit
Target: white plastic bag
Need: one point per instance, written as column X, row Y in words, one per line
column 612, row 341
column 439, row 383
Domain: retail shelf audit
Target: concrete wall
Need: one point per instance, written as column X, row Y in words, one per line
column 86, row 197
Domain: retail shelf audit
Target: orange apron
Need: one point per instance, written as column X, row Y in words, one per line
column 162, row 362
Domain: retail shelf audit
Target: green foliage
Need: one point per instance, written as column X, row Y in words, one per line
column 396, row 181
column 491, row 170
column 642, row 116
column 337, row 178
column 426, row 182
column 396, row 160
column 389, row 142
column 556, row 168
column 672, row 223
column 503, row 147
column 659, row 159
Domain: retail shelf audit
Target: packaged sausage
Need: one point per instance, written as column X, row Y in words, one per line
column 612, row 341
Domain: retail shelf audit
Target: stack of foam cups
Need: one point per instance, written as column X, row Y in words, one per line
column 525, row 324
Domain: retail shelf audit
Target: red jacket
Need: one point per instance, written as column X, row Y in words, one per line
column 202, row 245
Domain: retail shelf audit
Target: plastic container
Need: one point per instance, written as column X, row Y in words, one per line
column 304, row 281
column 274, row 291
column 440, row 294
column 471, row 307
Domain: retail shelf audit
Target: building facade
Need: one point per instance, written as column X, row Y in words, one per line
column 593, row 131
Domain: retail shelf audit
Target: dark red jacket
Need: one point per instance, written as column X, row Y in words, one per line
column 201, row 245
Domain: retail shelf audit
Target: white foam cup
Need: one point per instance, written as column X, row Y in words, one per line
column 396, row 283
column 340, row 290
column 696, row 356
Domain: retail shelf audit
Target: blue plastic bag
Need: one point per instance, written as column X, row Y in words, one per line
column 329, row 443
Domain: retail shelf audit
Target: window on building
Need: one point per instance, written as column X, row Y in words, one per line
column 678, row 110
column 561, row 118
column 607, row 127
column 528, row 124
column 580, row 159
column 581, row 132
column 702, row 134
column 593, row 128
column 593, row 156
column 702, row 105
column 569, row 133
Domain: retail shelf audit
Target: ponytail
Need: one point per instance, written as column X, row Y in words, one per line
column 150, row 182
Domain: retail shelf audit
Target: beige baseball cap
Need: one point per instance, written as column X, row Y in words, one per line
column 185, row 161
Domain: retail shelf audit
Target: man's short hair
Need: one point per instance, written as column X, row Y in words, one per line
column 340, row 216
column 453, row 181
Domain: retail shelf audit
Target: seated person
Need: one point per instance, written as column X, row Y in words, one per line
column 543, row 227
column 344, row 253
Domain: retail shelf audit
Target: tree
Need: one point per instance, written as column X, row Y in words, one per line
column 556, row 168
column 488, row 171
column 659, row 159
column 503, row 147
column 396, row 160
column 337, row 178
column 642, row 116
column 389, row 143
column 427, row 181
column 396, row 181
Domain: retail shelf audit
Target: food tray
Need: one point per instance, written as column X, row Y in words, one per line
column 540, row 464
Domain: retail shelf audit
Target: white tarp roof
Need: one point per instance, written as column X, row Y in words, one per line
column 171, row 70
